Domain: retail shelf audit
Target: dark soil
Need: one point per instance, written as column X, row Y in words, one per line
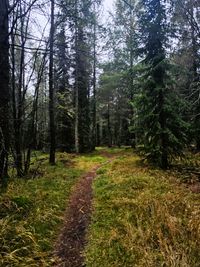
column 195, row 188
column 72, row 238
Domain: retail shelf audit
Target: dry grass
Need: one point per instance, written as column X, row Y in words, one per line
column 31, row 211
column 142, row 217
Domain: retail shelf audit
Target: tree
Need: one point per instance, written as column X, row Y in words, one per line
column 64, row 103
column 26, row 75
column 82, row 20
column 94, row 81
column 82, row 92
column 4, row 92
column 113, row 106
column 160, row 125
column 51, row 90
column 122, row 44
column 185, row 26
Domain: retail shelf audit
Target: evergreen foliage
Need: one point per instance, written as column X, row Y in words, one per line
column 162, row 130
column 132, row 80
column 65, row 113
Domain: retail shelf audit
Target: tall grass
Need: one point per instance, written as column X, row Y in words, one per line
column 31, row 211
column 142, row 217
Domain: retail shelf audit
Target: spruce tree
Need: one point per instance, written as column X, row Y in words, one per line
column 185, row 30
column 82, row 85
column 64, row 108
column 159, row 123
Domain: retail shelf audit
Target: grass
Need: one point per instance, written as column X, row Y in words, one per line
column 31, row 211
column 142, row 217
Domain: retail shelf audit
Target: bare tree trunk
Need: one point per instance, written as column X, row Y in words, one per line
column 33, row 126
column 94, row 126
column 4, row 92
column 19, row 88
column 51, row 90
column 109, row 127
column 133, row 136
column 76, row 88
column 76, row 120
column 163, row 139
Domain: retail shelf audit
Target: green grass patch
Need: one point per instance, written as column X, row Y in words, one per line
column 142, row 217
column 32, row 209
column 114, row 150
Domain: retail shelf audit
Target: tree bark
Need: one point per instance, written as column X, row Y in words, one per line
column 94, row 119
column 51, row 90
column 4, row 92
column 109, row 127
column 76, row 86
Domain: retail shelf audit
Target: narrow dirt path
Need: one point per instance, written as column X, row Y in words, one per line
column 72, row 239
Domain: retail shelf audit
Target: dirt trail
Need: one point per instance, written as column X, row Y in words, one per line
column 72, row 239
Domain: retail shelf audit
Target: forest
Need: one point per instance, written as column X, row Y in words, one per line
column 99, row 133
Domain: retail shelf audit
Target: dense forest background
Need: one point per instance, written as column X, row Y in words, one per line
column 69, row 81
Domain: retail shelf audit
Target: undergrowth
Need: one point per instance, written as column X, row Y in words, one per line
column 142, row 217
column 31, row 211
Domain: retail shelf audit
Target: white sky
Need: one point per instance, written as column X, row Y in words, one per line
column 40, row 20
column 108, row 4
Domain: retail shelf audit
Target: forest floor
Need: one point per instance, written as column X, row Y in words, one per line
column 72, row 239
column 143, row 216
column 32, row 210
column 103, row 209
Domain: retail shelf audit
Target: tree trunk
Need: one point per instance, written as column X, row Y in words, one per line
column 76, row 86
column 18, row 122
column 94, row 126
column 109, row 127
column 51, row 90
column 4, row 92
column 162, row 119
